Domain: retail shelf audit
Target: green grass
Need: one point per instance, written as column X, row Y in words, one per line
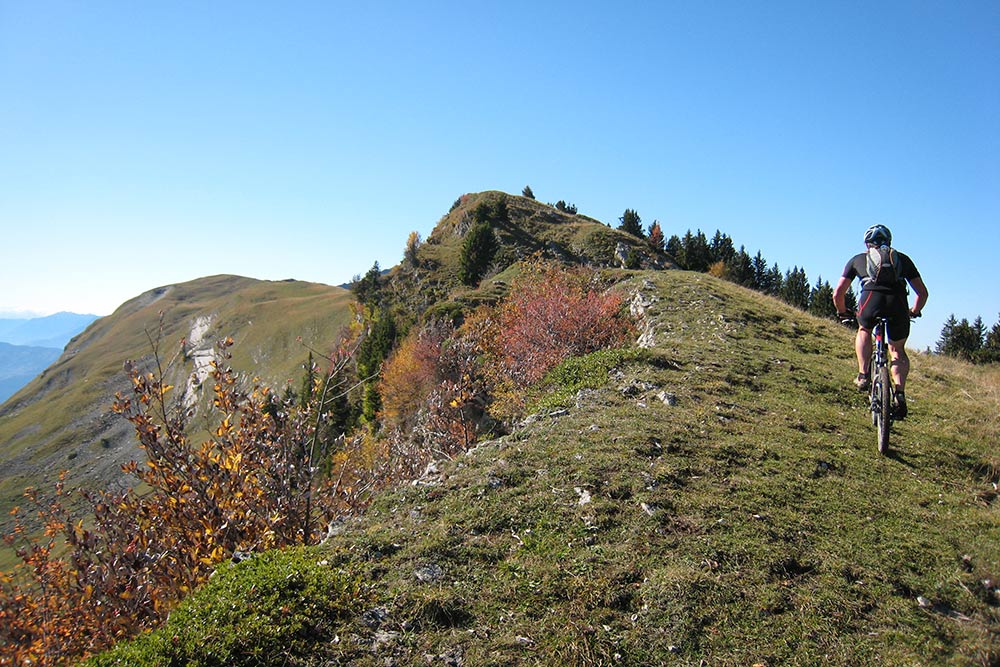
column 747, row 521
column 271, row 609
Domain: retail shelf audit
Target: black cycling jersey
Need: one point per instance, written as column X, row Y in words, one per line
column 876, row 300
column 858, row 268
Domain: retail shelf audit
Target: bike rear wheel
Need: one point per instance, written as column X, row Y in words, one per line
column 882, row 406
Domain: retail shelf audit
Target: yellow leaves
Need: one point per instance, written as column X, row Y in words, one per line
column 232, row 462
column 225, row 427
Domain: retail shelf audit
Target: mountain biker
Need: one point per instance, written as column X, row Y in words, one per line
column 881, row 299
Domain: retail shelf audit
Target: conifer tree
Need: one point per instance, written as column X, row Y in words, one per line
column 527, row 192
column 821, row 299
column 478, row 250
column 367, row 290
column 370, row 355
column 721, row 248
column 760, row 273
column 675, row 249
column 631, row 223
column 739, row 268
column 656, row 236
column 697, row 255
column 795, row 290
column 993, row 338
column 946, row 339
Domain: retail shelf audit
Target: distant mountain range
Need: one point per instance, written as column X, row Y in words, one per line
column 50, row 331
column 29, row 345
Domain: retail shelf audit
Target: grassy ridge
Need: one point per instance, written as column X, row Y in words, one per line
column 716, row 500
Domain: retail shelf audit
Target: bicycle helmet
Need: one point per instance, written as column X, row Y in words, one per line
column 878, row 235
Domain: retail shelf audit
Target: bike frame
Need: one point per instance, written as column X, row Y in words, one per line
column 881, row 383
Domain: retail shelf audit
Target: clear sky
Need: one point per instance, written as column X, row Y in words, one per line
column 143, row 144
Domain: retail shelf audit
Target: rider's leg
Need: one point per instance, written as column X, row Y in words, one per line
column 863, row 348
column 900, row 366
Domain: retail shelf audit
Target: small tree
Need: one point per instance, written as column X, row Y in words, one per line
column 656, row 236
column 697, row 255
column 372, row 351
column 527, row 192
column 410, row 252
column 478, row 250
column 631, row 223
column 821, row 300
column 675, row 249
column 739, row 268
column 795, row 290
column 367, row 290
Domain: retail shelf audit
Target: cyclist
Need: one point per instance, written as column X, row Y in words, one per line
column 882, row 296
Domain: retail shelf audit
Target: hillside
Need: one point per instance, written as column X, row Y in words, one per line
column 717, row 501
column 530, row 228
column 62, row 419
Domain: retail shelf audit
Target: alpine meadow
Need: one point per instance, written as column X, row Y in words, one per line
column 540, row 439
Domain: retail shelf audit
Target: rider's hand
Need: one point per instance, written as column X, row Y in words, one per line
column 847, row 318
column 914, row 314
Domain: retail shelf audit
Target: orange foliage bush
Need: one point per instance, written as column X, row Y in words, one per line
column 253, row 484
column 433, row 396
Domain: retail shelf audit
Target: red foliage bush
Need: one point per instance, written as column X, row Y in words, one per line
column 551, row 314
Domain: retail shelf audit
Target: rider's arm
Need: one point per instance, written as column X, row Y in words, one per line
column 921, row 291
column 840, row 293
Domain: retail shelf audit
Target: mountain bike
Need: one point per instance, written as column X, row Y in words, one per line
column 881, row 391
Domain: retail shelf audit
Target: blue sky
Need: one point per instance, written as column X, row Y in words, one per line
column 143, row 144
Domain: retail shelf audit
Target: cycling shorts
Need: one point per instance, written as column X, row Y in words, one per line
column 893, row 305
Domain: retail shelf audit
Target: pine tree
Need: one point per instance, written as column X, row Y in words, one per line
column 945, row 343
column 739, row 268
column 656, row 236
column 796, row 288
column 696, row 253
column 370, row 355
column 721, row 248
column 821, row 300
column 675, row 249
column 760, row 273
column 478, row 250
column 775, row 281
column 367, row 290
column 631, row 223
column 526, row 192
column 993, row 338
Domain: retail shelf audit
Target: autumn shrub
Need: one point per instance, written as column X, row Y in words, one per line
column 253, row 484
column 434, row 396
column 552, row 313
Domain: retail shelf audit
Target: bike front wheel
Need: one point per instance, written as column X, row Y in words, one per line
column 882, row 406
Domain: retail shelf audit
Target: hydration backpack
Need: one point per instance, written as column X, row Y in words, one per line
column 884, row 268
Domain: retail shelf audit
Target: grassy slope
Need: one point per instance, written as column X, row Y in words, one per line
column 750, row 522
column 60, row 419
